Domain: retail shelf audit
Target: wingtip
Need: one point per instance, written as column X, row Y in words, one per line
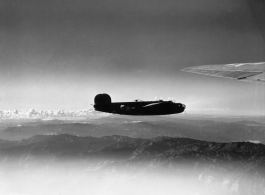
column 186, row 69
column 191, row 69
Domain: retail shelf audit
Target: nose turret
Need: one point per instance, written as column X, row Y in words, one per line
column 180, row 107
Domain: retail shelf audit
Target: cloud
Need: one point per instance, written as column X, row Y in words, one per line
column 255, row 141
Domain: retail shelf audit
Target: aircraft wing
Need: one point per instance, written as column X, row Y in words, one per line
column 153, row 104
column 251, row 72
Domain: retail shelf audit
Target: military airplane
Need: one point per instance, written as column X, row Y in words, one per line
column 138, row 107
column 250, row 72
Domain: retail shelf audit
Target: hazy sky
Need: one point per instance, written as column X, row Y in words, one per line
column 58, row 54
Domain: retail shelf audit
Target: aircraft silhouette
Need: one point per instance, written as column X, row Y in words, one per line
column 103, row 104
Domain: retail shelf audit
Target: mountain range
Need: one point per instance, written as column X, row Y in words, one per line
column 207, row 130
column 132, row 155
column 211, row 162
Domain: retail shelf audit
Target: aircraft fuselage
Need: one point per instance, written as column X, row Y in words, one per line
column 138, row 107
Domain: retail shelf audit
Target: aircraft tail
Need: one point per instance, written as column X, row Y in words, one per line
column 102, row 101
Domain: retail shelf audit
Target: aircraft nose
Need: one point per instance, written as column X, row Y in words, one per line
column 181, row 107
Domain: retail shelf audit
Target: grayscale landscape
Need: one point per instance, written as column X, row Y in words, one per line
column 72, row 74
column 113, row 154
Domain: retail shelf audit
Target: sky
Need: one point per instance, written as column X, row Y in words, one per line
column 59, row 54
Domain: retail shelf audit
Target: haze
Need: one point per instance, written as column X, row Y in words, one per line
column 60, row 54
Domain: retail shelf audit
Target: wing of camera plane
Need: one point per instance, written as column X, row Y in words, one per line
column 250, row 72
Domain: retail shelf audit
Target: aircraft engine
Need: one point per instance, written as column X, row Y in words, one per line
column 102, row 101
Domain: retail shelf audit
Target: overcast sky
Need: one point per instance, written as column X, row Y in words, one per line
column 60, row 54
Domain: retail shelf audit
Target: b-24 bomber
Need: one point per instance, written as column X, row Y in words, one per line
column 103, row 103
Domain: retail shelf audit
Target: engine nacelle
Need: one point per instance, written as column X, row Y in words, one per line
column 102, row 101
